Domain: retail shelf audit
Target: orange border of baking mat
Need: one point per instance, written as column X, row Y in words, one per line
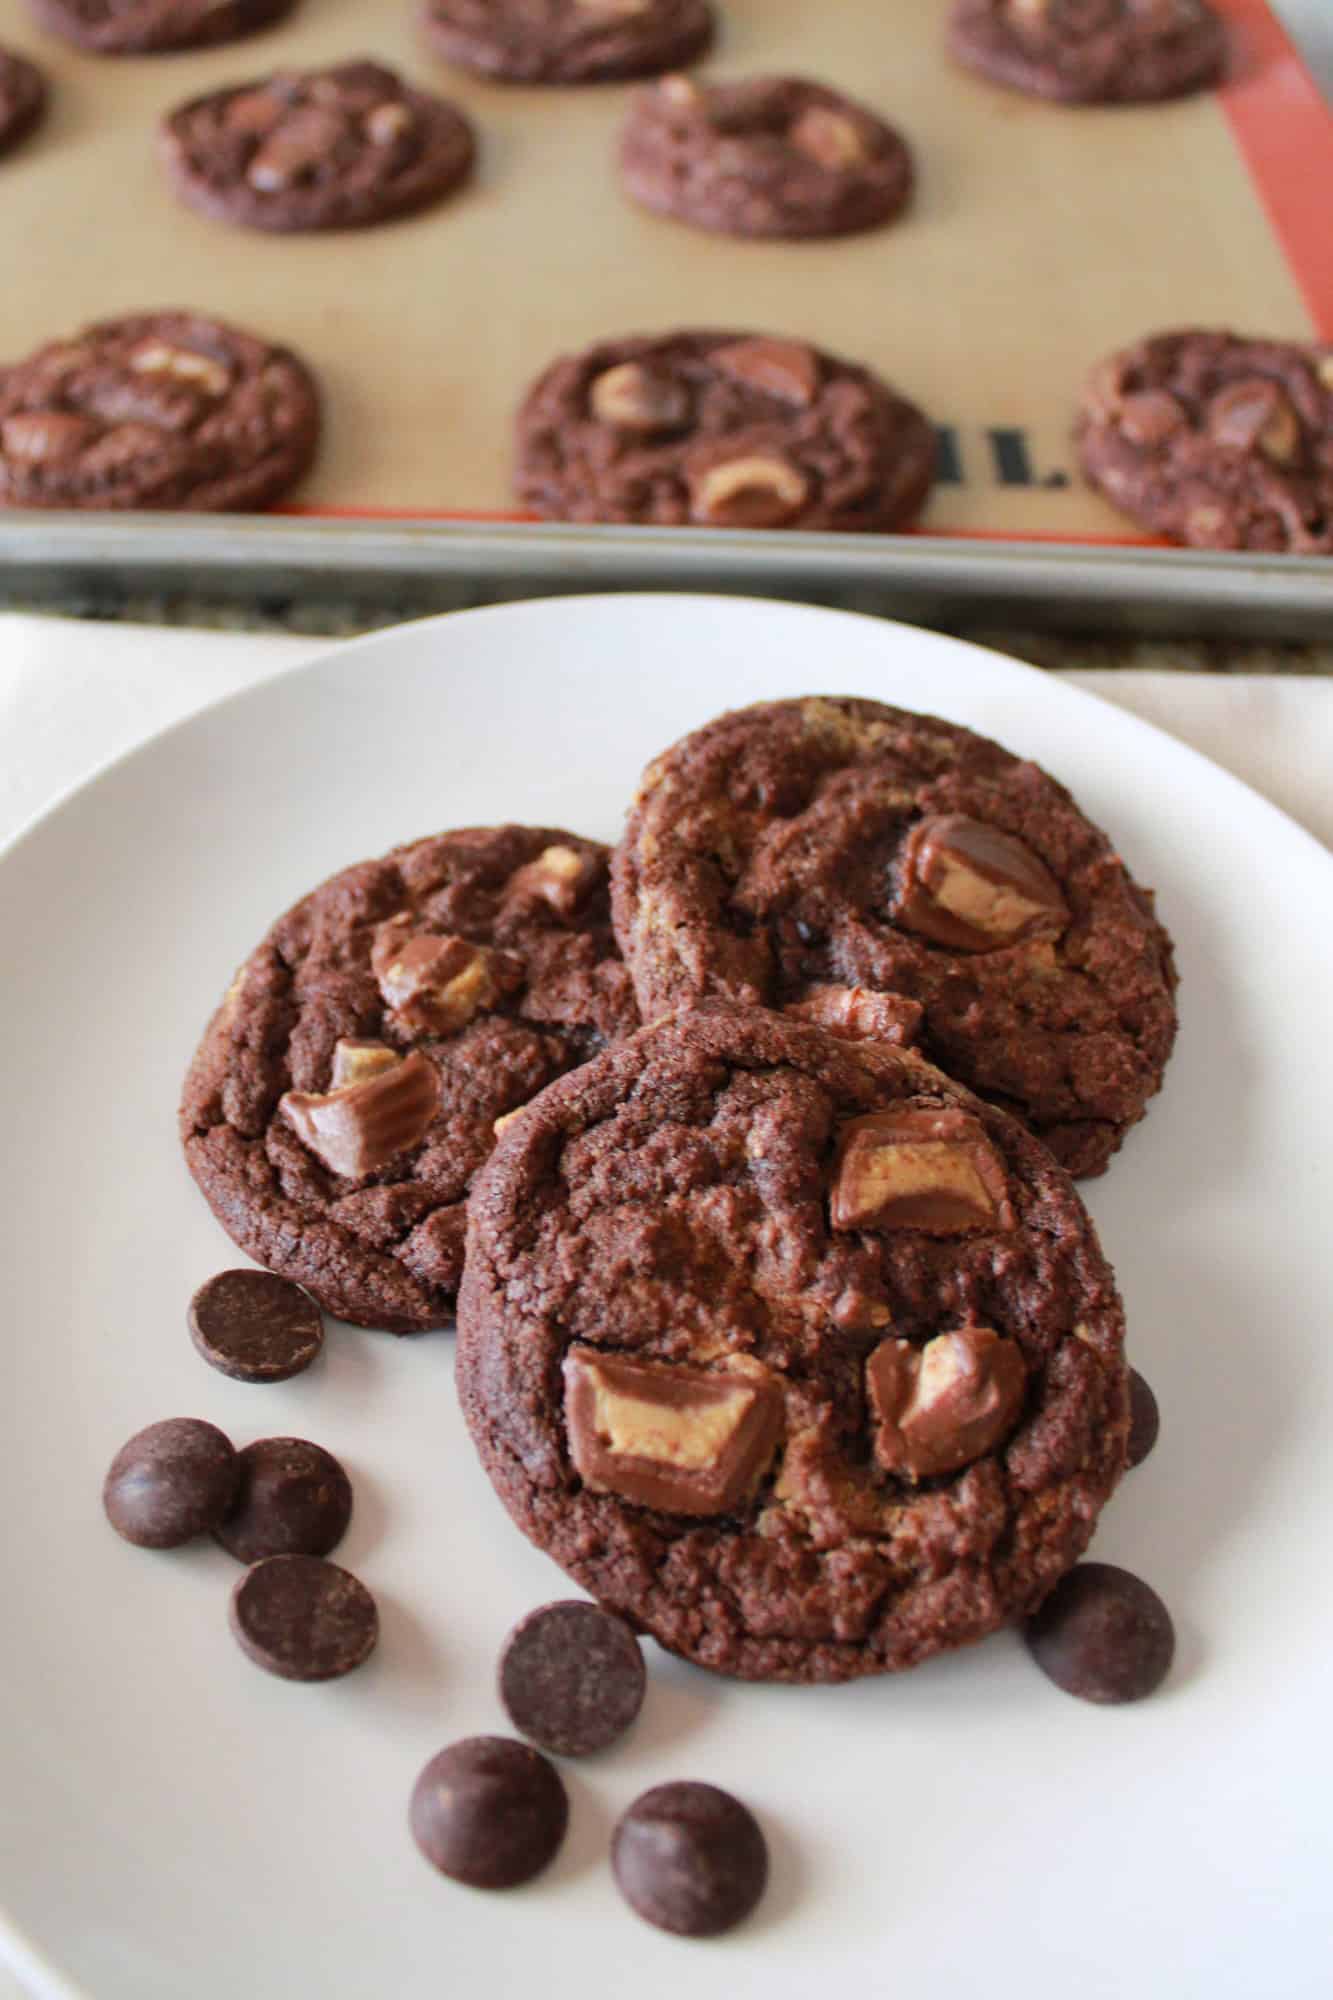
column 1284, row 130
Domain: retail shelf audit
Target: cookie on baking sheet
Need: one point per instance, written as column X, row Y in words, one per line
column 161, row 409
column 347, row 1089
column 22, row 98
column 569, row 41
column 846, row 860
column 319, row 149
column 1092, row 51
column 789, row 1348
column 152, row 27
column 1216, row 440
column 725, row 430
column 771, row 156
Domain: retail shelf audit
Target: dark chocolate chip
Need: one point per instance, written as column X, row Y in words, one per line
column 572, row 1677
column 1103, row 1635
column 1143, row 1419
column 304, row 1619
column 292, row 1499
column 170, row 1482
column 690, row 1858
column 255, row 1326
column 489, row 1812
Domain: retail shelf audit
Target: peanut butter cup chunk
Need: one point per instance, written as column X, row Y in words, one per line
column 318, row 149
column 721, row 430
column 568, row 41
column 350, row 1083
column 791, row 1437
column 1092, row 51
column 895, row 877
column 1216, row 440
column 768, row 156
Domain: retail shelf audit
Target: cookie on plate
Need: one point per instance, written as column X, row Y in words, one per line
column 22, row 98
column 1216, row 440
column 569, row 41
column 822, row 854
column 348, row 1087
column 725, row 430
column 160, row 409
column 1092, row 51
column 320, row 149
column 771, row 156
column 790, row 1349
column 154, row 27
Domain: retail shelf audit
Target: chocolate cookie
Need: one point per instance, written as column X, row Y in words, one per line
column 1092, row 51
column 153, row 27
column 323, row 149
column 728, row 430
column 1214, row 440
column 162, row 409
column 816, row 855
column 22, row 98
column 789, row 1348
column 348, row 1087
column 769, row 157
column 569, row 41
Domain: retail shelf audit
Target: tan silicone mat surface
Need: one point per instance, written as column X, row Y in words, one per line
column 1039, row 237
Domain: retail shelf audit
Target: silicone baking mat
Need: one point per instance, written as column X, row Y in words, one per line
column 1039, row 237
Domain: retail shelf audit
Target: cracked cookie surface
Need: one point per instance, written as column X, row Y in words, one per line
column 817, row 853
column 153, row 27
column 789, row 1349
column 347, row 1089
column 568, row 41
column 1215, row 440
column 1092, row 51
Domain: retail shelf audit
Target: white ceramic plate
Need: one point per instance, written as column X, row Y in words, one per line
column 179, row 1826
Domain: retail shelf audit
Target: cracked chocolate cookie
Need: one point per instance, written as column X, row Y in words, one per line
column 164, row 409
column 723, row 430
column 569, row 41
column 321, row 149
column 772, row 156
column 22, row 98
column 154, row 27
column 790, row 1349
column 350, row 1084
column 881, row 872
column 1092, row 51
column 1215, row 440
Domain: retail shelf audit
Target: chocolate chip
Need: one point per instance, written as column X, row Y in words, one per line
column 255, row 1326
column 304, row 1619
column 1103, row 1635
column 489, row 1812
column 292, row 1499
column 690, row 1858
column 1143, row 1419
column 572, row 1677
column 170, row 1482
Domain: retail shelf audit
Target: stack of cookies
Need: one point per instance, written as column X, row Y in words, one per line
column 744, row 1155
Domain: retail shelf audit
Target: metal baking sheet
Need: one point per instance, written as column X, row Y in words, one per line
column 1039, row 238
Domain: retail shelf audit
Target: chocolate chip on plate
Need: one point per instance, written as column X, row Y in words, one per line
column 489, row 1812
column 572, row 1677
column 1103, row 1635
column 690, row 1859
column 1144, row 1419
column 292, row 1499
column 170, row 1482
column 303, row 1618
column 255, row 1326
